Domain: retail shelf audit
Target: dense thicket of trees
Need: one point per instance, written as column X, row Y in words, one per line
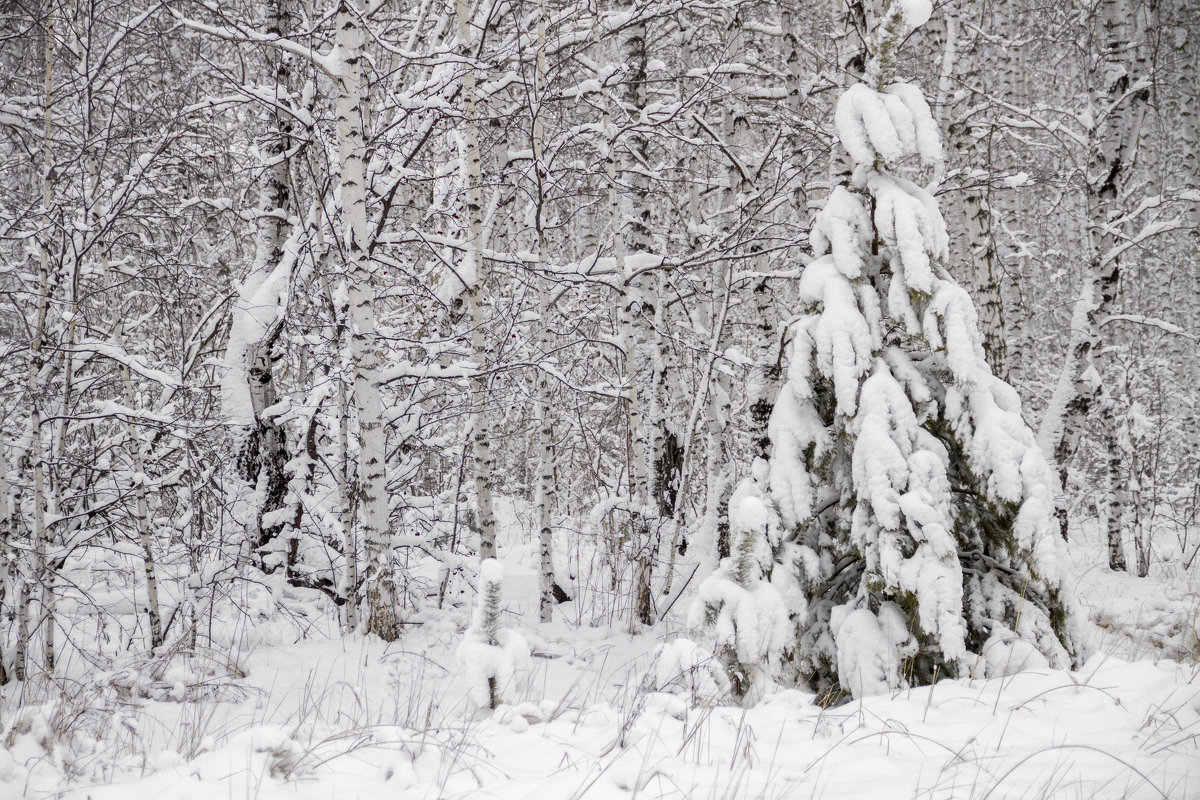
column 300, row 292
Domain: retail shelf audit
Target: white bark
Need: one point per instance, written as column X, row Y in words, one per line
column 142, row 517
column 1118, row 497
column 631, row 233
column 546, row 489
column 352, row 110
column 619, row 242
column 41, row 534
column 342, row 472
column 8, row 567
column 737, row 187
column 962, row 62
column 1187, row 54
column 248, row 386
column 349, row 538
column 1113, row 153
column 473, row 270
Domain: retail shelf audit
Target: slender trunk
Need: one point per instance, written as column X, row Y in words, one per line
column 142, row 505
column 546, row 489
column 633, row 238
column 143, row 522
column 474, row 273
column 1189, row 110
column 738, row 185
column 21, row 659
column 372, row 503
column 796, row 78
column 667, row 464
column 1142, row 547
column 634, row 434
column 194, row 583
column 1188, row 52
column 348, row 586
column 248, row 388
column 41, row 534
column 719, row 480
column 961, row 62
column 7, row 567
column 20, row 663
column 1113, row 152
column 346, row 513
column 767, row 374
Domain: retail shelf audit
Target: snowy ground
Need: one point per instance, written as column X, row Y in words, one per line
column 329, row 717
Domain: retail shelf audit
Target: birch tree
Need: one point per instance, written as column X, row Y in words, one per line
column 248, row 387
column 962, row 62
column 1117, row 108
column 546, row 487
column 352, row 107
column 42, row 535
column 473, row 271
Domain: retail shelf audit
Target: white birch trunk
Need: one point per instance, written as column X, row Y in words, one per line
column 248, row 387
column 1117, row 499
column 767, row 377
column 1113, row 153
column 372, row 504
column 350, row 540
column 41, row 534
column 473, row 271
column 982, row 275
column 142, row 516
column 19, row 570
column 1187, row 54
column 736, row 188
column 349, row 583
column 546, row 489
column 8, row 567
column 635, row 238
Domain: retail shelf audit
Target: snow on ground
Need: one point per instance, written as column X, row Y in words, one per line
column 356, row 719
column 332, row 717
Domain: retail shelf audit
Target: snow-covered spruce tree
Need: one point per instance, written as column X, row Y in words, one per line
column 736, row 606
column 488, row 653
column 916, row 522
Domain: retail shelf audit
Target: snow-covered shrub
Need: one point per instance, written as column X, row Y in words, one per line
column 490, row 655
column 736, row 606
column 683, row 667
column 870, row 647
column 176, row 674
column 914, row 503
